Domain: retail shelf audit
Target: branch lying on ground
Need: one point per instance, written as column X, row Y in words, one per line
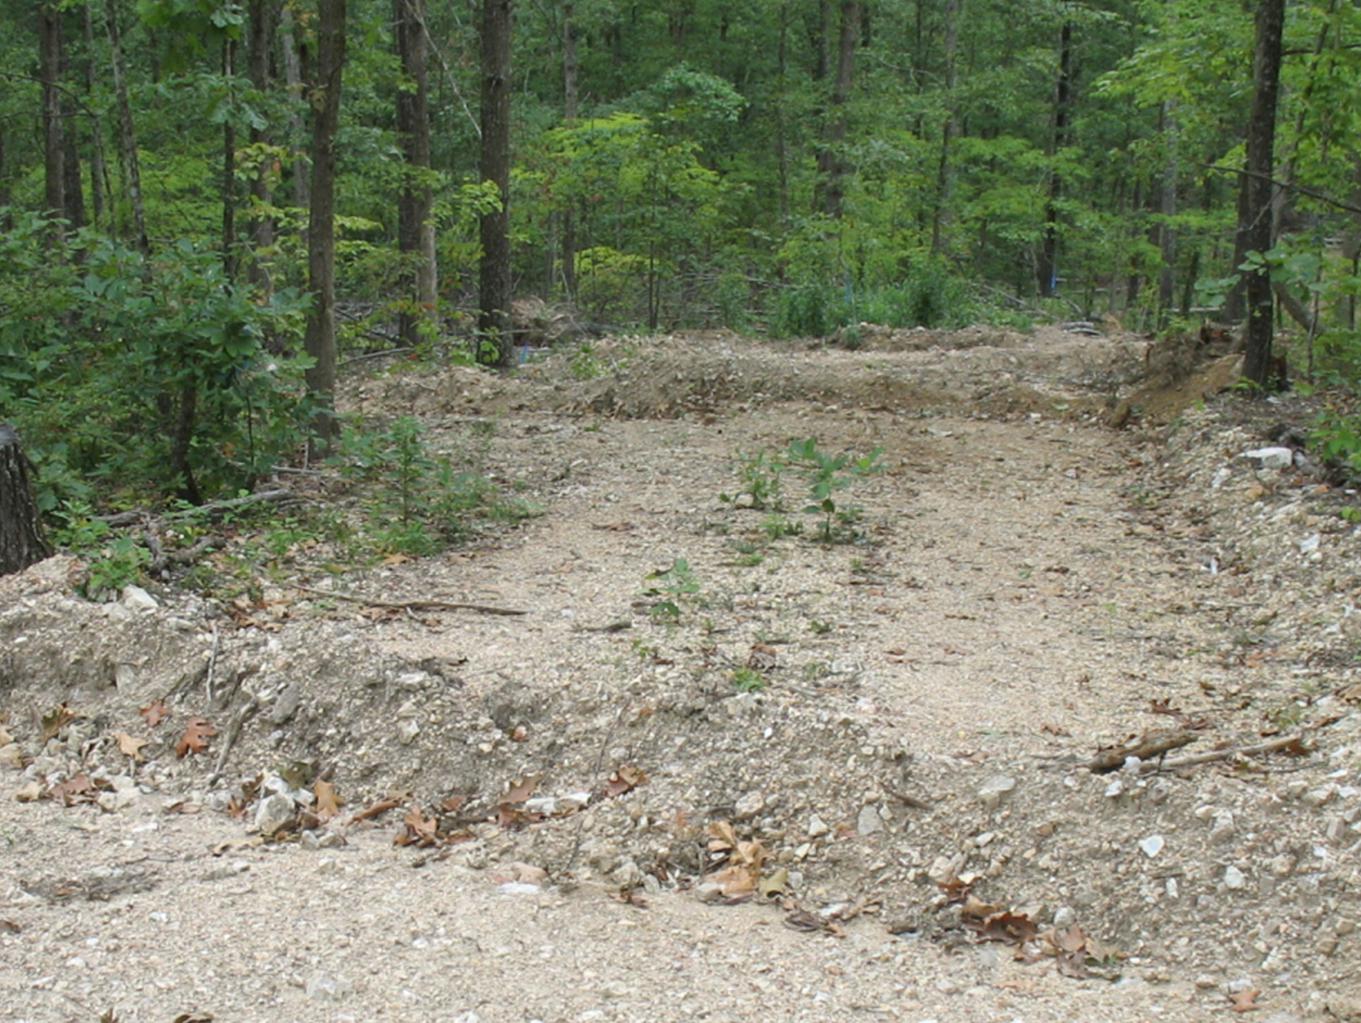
column 1285, row 742
column 212, row 508
column 410, row 605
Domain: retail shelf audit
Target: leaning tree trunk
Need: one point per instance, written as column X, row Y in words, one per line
column 54, row 146
column 21, row 539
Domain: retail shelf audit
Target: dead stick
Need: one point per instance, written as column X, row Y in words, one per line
column 1284, row 742
column 230, row 504
column 411, row 605
column 1155, row 744
column 229, row 740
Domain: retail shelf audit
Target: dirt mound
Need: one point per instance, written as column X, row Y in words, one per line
column 899, row 726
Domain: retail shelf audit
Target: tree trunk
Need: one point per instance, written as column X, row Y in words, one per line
column 944, row 174
column 1167, row 210
column 229, row 165
column 832, row 163
column 261, row 226
column 321, row 247
column 781, row 120
column 496, row 344
column 293, row 81
column 1047, row 270
column 127, row 137
column 98, row 172
column 415, row 228
column 570, row 103
column 54, row 145
column 21, row 539
column 1255, row 228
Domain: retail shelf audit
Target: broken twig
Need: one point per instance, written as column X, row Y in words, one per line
column 411, row 605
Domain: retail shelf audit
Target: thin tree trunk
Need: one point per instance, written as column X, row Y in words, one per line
column 54, row 145
column 321, row 322
column 494, row 324
column 1167, row 209
column 127, row 137
column 1047, row 270
column 229, row 165
column 21, row 539
column 944, row 174
column 832, row 163
column 1255, row 229
column 781, row 122
column 415, row 227
column 293, row 81
column 570, row 103
column 261, row 226
column 98, row 170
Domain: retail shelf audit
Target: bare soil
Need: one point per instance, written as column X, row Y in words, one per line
column 895, row 730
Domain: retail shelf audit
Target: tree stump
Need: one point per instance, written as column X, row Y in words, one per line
column 21, row 539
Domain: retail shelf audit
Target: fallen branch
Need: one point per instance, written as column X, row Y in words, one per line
column 1285, row 742
column 411, row 605
column 233, row 733
column 128, row 518
column 1149, row 746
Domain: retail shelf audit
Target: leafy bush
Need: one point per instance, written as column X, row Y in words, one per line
column 132, row 374
column 927, row 295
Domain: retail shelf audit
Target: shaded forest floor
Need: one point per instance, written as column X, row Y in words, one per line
column 720, row 768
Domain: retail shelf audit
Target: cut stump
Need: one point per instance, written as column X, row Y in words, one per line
column 21, row 539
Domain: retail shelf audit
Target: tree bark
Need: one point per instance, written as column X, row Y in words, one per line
column 261, row 226
column 496, row 344
column 1255, row 228
column 1167, row 209
column 229, row 165
column 415, row 227
column 293, row 81
column 21, row 539
column 570, row 104
column 321, row 321
column 127, row 137
column 832, row 163
column 944, row 173
column 1047, row 269
column 98, row 171
column 54, row 143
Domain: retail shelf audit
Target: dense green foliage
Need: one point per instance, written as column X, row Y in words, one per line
column 675, row 164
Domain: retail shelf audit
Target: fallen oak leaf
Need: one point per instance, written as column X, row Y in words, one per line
column 154, row 713
column 328, row 803
column 1245, row 1001
column 195, row 737
column 55, row 720
column 379, row 808
column 79, row 789
column 130, row 746
column 624, row 779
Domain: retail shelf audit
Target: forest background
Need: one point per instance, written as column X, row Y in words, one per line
column 209, row 205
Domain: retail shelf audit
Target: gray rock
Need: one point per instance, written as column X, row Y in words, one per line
column 1223, row 828
column 322, row 987
column 285, row 704
column 407, row 732
column 273, row 812
column 134, row 598
column 995, row 789
column 817, row 827
column 1152, row 845
column 869, row 821
column 749, row 805
column 1234, row 879
column 1271, row 458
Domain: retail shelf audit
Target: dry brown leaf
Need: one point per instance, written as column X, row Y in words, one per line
column 328, row 803
column 131, row 747
column 55, row 720
column 418, row 830
column 624, row 779
column 735, row 880
column 79, row 789
column 721, row 836
column 154, row 713
column 1245, row 1001
column 521, row 790
column 379, row 808
column 195, row 737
